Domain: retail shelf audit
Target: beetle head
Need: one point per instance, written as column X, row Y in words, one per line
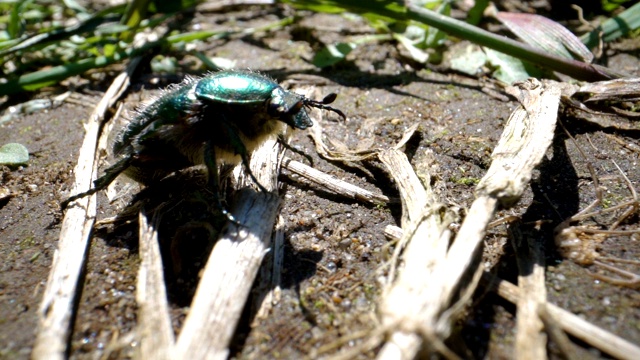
column 290, row 107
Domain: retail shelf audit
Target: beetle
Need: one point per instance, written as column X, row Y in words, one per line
column 217, row 119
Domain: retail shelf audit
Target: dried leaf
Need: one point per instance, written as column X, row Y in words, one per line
column 546, row 34
column 332, row 54
column 13, row 154
column 613, row 90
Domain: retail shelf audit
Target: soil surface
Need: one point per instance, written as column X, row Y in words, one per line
column 335, row 248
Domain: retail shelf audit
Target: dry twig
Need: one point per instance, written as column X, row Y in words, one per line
column 232, row 266
column 335, row 185
column 531, row 342
column 57, row 307
column 154, row 323
column 425, row 303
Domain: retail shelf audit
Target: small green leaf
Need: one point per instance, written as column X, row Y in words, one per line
column 332, row 54
column 436, row 37
column 109, row 49
column 164, row 64
column 469, row 59
column 73, row 5
column 13, row 154
column 110, row 29
column 215, row 63
column 417, row 54
column 508, row 68
column 475, row 14
column 474, row 60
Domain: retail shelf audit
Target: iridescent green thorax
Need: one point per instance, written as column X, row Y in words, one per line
column 235, row 87
column 251, row 89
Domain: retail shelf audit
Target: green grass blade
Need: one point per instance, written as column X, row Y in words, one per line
column 393, row 10
column 377, row 8
column 75, row 6
column 39, row 79
column 135, row 13
column 615, row 27
column 15, row 19
column 573, row 68
column 37, row 41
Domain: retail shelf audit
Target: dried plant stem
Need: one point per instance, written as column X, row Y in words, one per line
column 426, row 241
column 424, row 299
column 154, row 323
column 560, row 318
column 335, row 185
column 269, row 290
column 531, row 341
column 572, row 324
column 232, row 267
column 57, row 307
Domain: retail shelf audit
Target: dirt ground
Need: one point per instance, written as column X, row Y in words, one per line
column 334, row 247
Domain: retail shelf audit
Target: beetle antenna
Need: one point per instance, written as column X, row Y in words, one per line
column 324, row 104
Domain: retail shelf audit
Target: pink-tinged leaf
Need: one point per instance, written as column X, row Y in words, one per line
column 546, row 34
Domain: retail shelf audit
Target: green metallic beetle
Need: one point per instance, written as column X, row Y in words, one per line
column 217, row 119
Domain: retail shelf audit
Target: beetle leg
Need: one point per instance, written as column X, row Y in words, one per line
column 214, row 181
column 286, row 145
column 240, row 149
column 245, row 162
column 102, row 182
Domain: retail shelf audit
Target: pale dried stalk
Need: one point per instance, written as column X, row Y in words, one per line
column 154, row 329
column 627, row 89
column 415, row 197
column 57, row 307
column 342, row 154
column 232, row 267
column 613, row 114
column 345, row 155
column 333, row 184
column 273, row 277
column 531, row 341
column 571, row 323
column 591, row 334
column 527, row 135
column 426, row 307
column 401, row 345
column 556, row 334
column 426, row 242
